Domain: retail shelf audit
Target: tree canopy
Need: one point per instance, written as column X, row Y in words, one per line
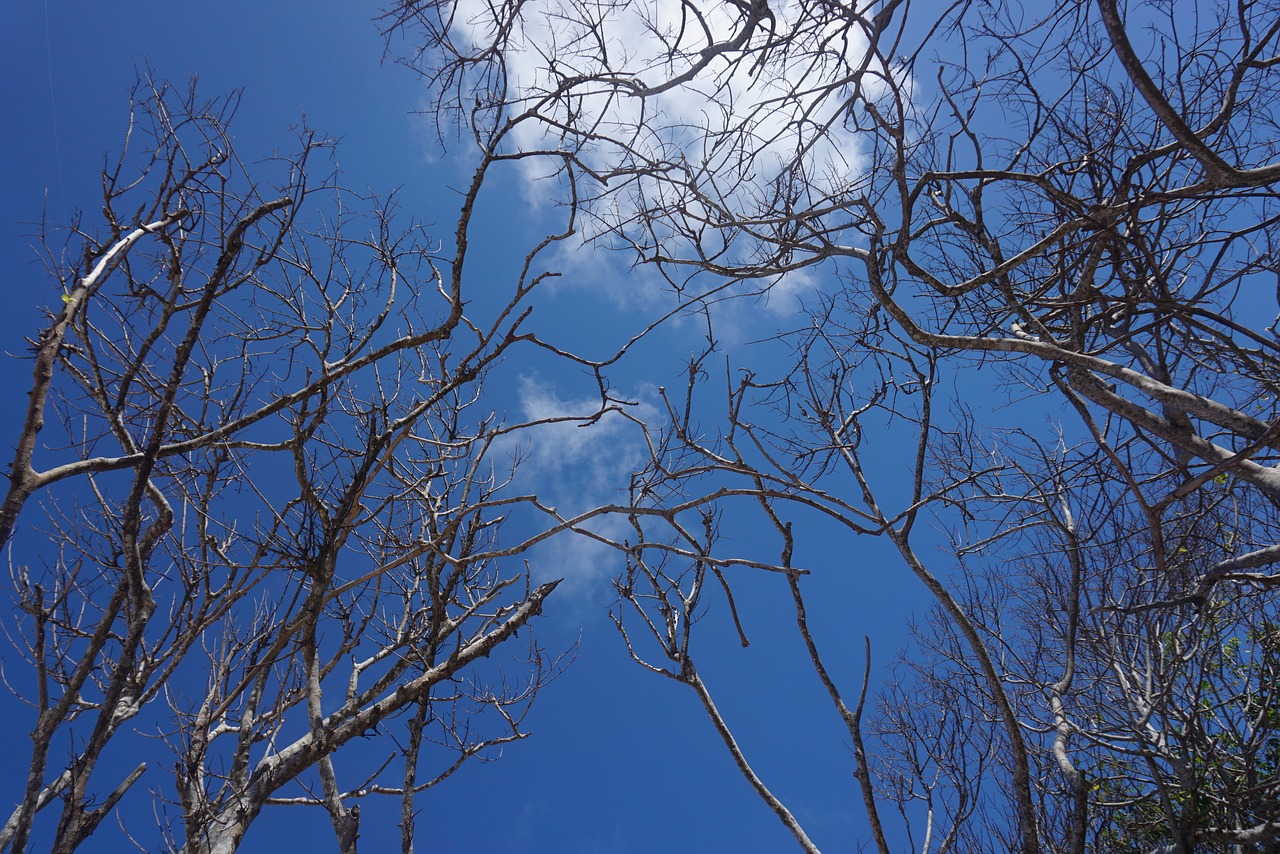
column 1035, row 259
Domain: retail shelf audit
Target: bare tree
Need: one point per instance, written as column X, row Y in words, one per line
column 256, row 507
column 1081, row 200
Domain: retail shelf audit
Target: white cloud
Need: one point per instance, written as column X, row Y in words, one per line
column 576, row 465
column 730, row 132
column 593, row 455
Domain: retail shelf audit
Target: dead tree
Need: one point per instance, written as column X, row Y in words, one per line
column 1082, row 201
column 255, row 506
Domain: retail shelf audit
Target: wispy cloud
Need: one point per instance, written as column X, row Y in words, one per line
column 575, row 462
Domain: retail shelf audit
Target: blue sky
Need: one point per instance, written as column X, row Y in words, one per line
column 619, row 760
